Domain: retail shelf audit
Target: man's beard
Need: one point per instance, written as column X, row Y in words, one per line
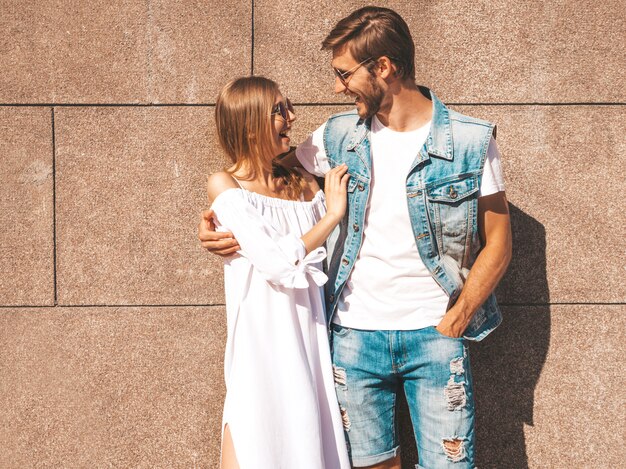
column 373, row 99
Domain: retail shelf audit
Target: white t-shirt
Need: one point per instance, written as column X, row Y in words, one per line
column 390, row 288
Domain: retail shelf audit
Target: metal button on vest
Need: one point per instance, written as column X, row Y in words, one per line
column 452, row 192
column 355, row 227
column 361, row 187
column 331, row 298
column 345, row 261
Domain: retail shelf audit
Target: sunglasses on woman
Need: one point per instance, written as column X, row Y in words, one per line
column 283, row 109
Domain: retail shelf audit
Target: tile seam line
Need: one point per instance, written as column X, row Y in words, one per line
column 223, row 304
column 110, row 306
column 252, row 37
column 305, row 104
column 54, row 214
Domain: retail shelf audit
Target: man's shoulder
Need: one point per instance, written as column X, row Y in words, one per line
column 342, row 124
column 345, row 117
column 348, row 113
column 457, row 117
column 464, row 125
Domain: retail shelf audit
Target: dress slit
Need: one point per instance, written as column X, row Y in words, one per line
column 232, row 443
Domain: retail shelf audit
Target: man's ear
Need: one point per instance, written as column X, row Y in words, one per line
column 385, row 67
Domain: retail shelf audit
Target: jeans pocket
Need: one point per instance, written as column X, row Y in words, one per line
column 339, row 331
column 436, row 331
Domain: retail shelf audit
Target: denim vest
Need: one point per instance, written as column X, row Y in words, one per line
column 441, row 195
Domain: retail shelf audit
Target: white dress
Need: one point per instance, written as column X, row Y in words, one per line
column 280, row 405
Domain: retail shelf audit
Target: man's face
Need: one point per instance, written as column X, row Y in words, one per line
column 360, row 83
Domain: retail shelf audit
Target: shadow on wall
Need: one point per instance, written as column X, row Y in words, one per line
column 506, row 366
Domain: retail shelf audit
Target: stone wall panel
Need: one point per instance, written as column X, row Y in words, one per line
column 114, row 387
column 130, row 186
column 548, row 376
column 158, row 51
column 26, row 207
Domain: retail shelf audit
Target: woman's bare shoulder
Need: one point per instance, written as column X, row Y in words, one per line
column 218, row 183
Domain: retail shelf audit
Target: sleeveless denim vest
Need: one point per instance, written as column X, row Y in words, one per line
column 441, row 195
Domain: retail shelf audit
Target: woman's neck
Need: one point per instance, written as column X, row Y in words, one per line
column 263, row 181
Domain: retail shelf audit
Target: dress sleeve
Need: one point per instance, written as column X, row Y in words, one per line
column 280, row 259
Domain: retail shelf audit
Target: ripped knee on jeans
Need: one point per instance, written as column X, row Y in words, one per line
column 454, row 449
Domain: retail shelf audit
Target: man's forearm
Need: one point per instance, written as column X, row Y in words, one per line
column 483, row 278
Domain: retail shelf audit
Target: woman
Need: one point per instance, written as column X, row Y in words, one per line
column 280, row 409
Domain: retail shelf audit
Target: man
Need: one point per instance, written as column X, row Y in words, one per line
column 425, row 241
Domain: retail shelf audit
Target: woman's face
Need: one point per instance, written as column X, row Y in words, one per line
column 280, row 125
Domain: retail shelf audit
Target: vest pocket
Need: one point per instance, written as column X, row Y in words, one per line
column 453, row 191
column 452, row 206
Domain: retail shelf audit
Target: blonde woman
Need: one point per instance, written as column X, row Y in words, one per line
column 280, row 410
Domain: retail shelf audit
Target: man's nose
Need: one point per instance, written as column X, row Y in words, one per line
column 339, row 87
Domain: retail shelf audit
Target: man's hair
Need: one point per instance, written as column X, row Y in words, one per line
column 374, row 32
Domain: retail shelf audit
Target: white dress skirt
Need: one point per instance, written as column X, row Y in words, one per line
column 280, row 405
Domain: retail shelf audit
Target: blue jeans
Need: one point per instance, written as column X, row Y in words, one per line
column 434, row 371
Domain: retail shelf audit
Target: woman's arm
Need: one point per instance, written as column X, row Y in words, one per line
column 336, row 190
column 275, row 256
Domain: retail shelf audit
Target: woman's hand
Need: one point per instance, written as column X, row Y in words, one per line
column 336, row 190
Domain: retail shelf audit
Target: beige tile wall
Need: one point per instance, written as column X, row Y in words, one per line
column 111, row 320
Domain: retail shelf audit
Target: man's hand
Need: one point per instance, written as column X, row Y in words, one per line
column 452, row 324
column 220, row 243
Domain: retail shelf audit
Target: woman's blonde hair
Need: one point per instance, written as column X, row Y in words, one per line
column 244, row 128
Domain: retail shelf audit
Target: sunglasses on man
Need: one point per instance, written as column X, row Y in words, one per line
column 283, row 109
column 345, row 75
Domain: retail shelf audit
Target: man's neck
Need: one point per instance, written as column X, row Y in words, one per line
column 405, row 108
